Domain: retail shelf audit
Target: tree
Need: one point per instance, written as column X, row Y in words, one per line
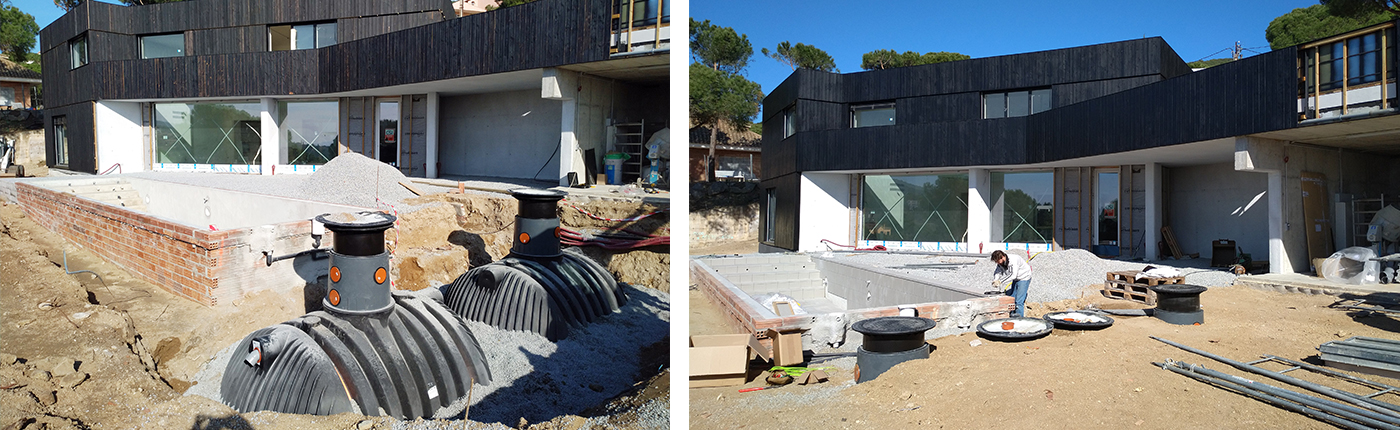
column 718, row 91
column 67, row 5
column 720, row 48
column 508, row 3
column 802, row 56
column 1362, row 8
column 1317, row 22
column 17, row 32
column 885, row 59
column 719, row 96
column 146, row 2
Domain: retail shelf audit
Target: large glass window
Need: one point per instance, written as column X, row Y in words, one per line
column 1107, row 200
column 300, row 36
column 208, row 133
column 388, row 131
column 78, row 51
column 60, row 141
column 872, row 115
column 917, row 208
column 161, row 46
column 1015, row 103
column 770, row 216
column 1022, row 207
column 309, row 130
column 789, row 122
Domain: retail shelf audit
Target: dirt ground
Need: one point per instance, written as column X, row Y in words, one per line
column 477, row 227
column 79, row 352
column 1069, row 379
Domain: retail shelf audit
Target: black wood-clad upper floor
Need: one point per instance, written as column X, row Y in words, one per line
column 541, row 34
column 1106, row 98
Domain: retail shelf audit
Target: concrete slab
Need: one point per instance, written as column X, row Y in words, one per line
column 1305, row 284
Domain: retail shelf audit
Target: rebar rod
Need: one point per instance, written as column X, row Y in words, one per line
column 1390, row 411
column 1262, row 396
column 1363, row 416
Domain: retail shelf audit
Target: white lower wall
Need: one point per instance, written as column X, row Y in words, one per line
column 1214, row 201
column 118, row 136
column 507, row 134
column 824, row 212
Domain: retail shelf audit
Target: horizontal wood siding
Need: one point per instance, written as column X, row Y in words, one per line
column 546, row 33
column 228, row 40
column 785, row 216
column 905, row 146
column 348, row 29
column 939, row 108
column 1243, row 97
column 815, row 115
column 1068, row 94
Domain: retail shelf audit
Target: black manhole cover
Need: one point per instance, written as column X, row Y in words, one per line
column 892, row 334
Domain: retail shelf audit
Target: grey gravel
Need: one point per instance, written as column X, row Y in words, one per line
column 1059, row 275
column 553, row 379
column 348, row 179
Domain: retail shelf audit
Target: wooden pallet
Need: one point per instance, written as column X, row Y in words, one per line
column 1122, row 285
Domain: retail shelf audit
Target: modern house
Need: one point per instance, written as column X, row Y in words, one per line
column 281, row 86
column 1102, row 147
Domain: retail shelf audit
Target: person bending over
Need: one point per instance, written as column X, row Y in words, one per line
column 1013, row 276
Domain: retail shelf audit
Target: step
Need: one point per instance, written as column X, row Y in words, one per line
column 770, row 275
column 79, row 182
column 798, row 293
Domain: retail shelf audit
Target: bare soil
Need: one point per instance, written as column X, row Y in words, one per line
column 79, row 352
column 1069, row 379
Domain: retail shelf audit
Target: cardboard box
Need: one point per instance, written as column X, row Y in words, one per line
column 787, row 347
column 723, row 360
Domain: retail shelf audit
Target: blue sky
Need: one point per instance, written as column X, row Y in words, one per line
column 43, row 10
column 846, row 29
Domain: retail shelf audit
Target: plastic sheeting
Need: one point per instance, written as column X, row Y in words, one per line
column 1351, row 266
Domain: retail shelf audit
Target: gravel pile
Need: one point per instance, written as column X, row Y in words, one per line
column 539, row 380
column 348, row 179
column 355, row 180
column 1059, row 275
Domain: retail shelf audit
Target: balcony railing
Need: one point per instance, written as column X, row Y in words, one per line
column 640, row 26
column 1349, row 74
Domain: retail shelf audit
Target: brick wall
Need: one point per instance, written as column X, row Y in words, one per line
column 209, row 267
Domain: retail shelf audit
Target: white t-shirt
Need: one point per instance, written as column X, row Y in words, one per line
column 1017, row 269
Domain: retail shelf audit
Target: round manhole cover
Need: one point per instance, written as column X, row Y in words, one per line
column 1178, row 289
column 893, row 326
column 1078, row 320
column 1012, row 329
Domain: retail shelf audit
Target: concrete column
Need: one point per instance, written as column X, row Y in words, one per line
column 1153, row 230
column 273, row 153
column 1278, row 254
column 568, row 142
column 563, row 85
column 1266, row 156
column 979, row 215
column 432, row 136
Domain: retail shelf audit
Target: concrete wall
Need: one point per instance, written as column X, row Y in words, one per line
column 1361, row 175
column 865, row 287
column 1214, row 201
column 508, row 134
column 119, row 136
column 824, row 212
column 225, row 209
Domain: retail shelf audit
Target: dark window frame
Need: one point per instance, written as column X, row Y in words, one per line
column 73, row 62
column 60, row 139
column 1030, row 101
column 770, row 234
column 292, row 41
column 856, row 108
column 141, row 44
column 789, row 115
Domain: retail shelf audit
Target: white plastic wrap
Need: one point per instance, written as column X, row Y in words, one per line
column 768, row 299
column 1351, row 266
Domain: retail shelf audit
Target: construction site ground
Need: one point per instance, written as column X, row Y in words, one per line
column 1068, row 379
column 81, row 352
